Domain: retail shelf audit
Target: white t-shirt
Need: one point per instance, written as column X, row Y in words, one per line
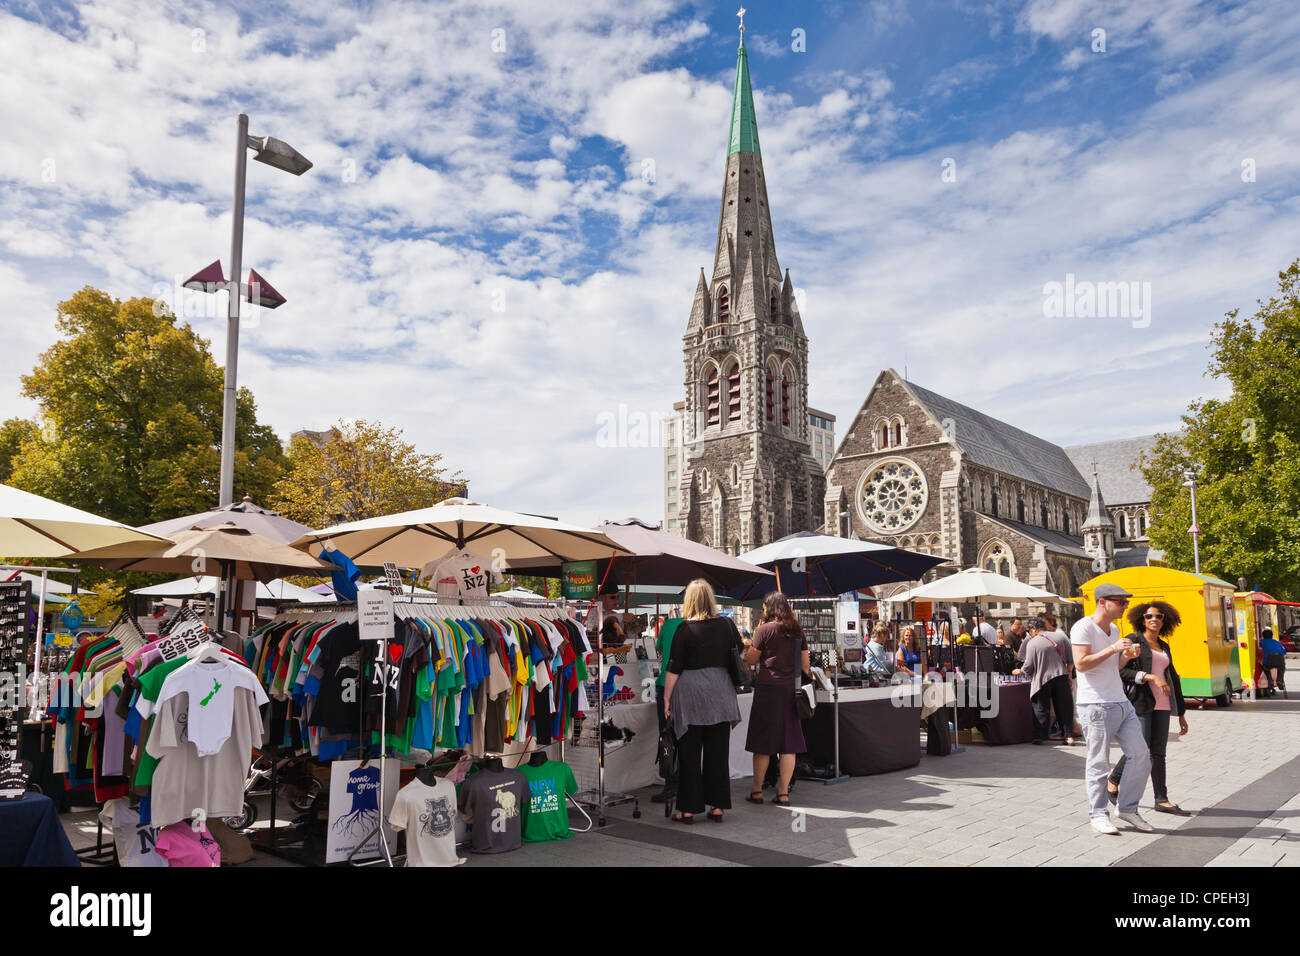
column 211, row 688
column 988, row 634
column 1100, row 684
column 461, row 574
column 428, row 815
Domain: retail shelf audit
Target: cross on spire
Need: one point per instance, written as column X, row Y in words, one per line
column 741, row 13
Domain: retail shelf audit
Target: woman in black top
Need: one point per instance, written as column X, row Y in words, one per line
column 700, row 704
column 774, row 728
column 1153, row 687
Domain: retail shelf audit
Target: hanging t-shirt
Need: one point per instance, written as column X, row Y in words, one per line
column 339, row 696
column 461, row 574
column 546, row 815
column 135, row 842
column 493, row 802
column 211, row 688
column 428, row 815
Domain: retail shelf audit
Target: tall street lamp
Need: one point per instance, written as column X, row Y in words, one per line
column 1190, row 482
column 281, row 155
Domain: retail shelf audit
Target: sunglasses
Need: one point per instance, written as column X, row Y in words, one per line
column 1157, row 616
column 1122, row 602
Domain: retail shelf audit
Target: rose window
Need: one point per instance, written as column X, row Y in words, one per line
column 892, row 496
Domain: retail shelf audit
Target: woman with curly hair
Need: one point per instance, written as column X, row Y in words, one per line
column 1153, row 687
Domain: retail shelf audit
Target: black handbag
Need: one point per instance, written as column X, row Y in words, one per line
column 740, row 675
column 804, row 703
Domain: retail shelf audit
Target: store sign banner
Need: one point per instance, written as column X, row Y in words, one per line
column 375, row 614
column 394, row 577
column 924, row 610
column 354, row 808
column 579, row 580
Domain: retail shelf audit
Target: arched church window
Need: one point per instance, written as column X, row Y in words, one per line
column 724, row 305
column 1043, row 514
column 733, row 394
column 713, row 398
column 1142, row 524
column 785, row 399
column 1065, row 521
column 774, row 306
column 1020, row 510
column 995, row 503
column 1123, row 525
column 898, row 431
column 884, row 434
column 771, row 396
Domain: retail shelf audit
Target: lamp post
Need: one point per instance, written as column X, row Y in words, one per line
column 1189, row 475
column 281, row 155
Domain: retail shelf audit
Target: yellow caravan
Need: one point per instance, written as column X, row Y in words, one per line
column 1205, row 644
column 1255, row 611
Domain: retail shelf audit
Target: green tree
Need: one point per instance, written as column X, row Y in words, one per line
column 13, row 435
column 1246, row 450
column 362, row 470
column 131, row 416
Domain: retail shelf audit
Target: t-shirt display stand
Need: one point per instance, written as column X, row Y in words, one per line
column 14, row 634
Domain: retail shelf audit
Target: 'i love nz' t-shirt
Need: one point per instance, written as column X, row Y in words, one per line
column 546, row 812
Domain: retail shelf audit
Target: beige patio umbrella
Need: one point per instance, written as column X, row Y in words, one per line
column 412, row 538
column 225, row 550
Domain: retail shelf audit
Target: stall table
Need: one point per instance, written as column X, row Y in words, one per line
column 1014, row 721
column 879, row 729
column 31, row 834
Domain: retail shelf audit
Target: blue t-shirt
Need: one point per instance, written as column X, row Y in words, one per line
column 1271, row 645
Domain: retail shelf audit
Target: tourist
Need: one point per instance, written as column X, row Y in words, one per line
column 700, row 703
column 1016, row 635
column 877, row 658
column 781, row 654
column 1063, row 641
column 986, row 633
column 1156, row 693
column 1048, row 668
column 908, row 656
column 1105, row 711
column 1001, row 638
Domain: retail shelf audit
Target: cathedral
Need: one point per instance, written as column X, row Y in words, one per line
column 748, row 474
column 914, row 469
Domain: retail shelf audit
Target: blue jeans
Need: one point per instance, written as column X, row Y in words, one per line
column 1103, row 723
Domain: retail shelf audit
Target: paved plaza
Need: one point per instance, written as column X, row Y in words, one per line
column 1019, row 805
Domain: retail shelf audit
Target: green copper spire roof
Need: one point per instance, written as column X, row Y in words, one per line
column 744, row 128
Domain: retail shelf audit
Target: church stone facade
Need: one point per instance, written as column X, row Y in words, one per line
column 748, row 474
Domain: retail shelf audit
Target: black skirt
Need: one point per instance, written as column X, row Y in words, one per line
column 774, row 726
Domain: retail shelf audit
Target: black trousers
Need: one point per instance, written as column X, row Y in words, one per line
column 703, row 768
column 1054, row 695
column 1155, row 728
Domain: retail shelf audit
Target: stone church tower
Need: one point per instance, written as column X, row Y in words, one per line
column 749, row 476
column 1099, row 531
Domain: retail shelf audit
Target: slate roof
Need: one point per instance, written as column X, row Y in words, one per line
column 1056, row 541
column 1004, row 448
column 1121, row 484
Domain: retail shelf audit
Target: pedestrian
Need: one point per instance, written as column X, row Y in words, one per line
column 1273, row 653
column 877, row 658
column 1016, row 635
column 781, row 653
column 700, row 703
column 1061, row 639
column 1106, row 714
column 1048, row 668
column 664, row 645
column 908, row 656
column 1156, row 692
column 1000, row 637
column 985, row 633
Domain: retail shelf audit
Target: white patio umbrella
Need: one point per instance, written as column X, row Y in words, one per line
column 976, row 584
column 412, row 538
column 36, row 527
column 277, row 590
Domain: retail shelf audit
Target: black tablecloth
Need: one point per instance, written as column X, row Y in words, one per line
column 1014, row 723
column 875, row 736
column 31, row 834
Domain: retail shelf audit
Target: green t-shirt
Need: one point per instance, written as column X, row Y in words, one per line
column 546, row 817
column 664, row 645
column 151, row 682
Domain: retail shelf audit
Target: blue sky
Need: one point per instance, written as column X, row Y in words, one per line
column 481, row 257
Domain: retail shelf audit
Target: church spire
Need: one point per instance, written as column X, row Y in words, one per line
column 744, row 128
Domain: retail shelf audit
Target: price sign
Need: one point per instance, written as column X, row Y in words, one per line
column 394, row 577
column 374, row 614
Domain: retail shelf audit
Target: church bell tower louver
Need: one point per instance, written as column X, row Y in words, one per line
column 748, row 475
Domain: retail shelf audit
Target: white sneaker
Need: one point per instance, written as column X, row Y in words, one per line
column 1135, row 820
column 1102, row 825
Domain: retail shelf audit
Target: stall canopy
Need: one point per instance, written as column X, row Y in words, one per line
column 412, row 538
column 974, row 584
column 809, row 564
column 52, row 587
column 228, row 549
column 36, row 527
column 243, row 514
column 277, row 590
column 657, row 557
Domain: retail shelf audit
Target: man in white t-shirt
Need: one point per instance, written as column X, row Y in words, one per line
column 1105, row 711
column 987, row 634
